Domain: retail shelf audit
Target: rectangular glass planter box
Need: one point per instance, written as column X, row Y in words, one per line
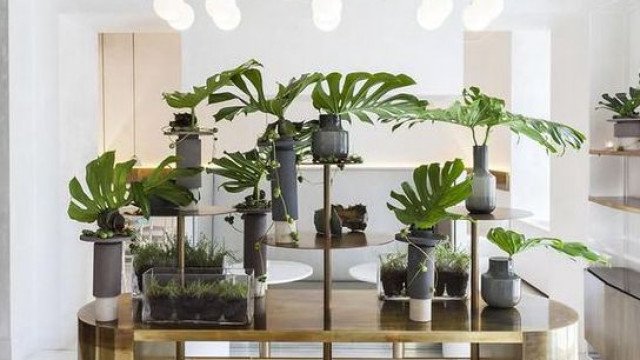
column 200, row 296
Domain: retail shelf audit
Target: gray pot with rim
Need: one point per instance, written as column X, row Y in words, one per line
column 500, row 286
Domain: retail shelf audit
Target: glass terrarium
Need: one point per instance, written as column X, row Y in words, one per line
column 213, row 296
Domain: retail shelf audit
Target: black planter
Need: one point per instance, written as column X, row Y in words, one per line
column 330, row 141
column 161, row 308
column 189, row 152
column 440, row 281
column 457, row 284
column 286, row 177
column 255, row 248
column 393, row 281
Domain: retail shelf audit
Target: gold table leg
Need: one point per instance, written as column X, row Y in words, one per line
column 327, row 347
column 398, row 350
column 264, row 350
column 475, row 289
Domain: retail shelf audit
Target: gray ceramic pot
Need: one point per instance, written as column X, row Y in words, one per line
column 287, row 179
column 624, row 128
column 483, row 196
column 336, row 222
column 189, row 152
column 330, row 141
column 500, row 285
column 255, row 249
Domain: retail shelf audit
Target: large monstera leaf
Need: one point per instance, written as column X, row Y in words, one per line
column 107, row 187
column 513, row 243
column 363, row 94
column 252, row 96
column 434, row 190
column 242, row 170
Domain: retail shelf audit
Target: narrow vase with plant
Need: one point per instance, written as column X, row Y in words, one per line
column 360, row 95
column 108, row 192
column 482, row 113
column 284, row 139
column 500, row 285
column 185, row 125
column 242, row 172
column 625, row 108
column 422, row 206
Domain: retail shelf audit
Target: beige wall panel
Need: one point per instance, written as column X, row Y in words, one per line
column 158, row 69
column 487, row 64
column 118, row 94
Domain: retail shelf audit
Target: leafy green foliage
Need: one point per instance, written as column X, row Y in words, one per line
column 189, row 100
column 450, row 259
column 393, row 261
column 108, row 190
column 434, row 191
column 624, row 105
column 154, row 289
column 362, row 94
column 230, row 290
column 243, row 171
column 478, row 110
column 252, row 97
column 513, row 243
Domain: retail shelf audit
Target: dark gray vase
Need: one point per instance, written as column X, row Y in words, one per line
column 287, row 178
column 189, row 153
column 336, row 222
column 107, row 275
column 500, row 285
column 255, row 249
column 483, row 196
column 330, row 141
column 420, row 283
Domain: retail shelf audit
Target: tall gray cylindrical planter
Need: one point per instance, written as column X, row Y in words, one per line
column 483, row 195
column 420, row 283
column 255, row 248
column 500, row 286
column 330, row 141
column 107, row 275
column 189, row 153
column 286, row 178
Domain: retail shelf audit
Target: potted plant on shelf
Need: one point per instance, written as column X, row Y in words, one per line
column 393, row 274
column 500, row 285
column 624, row 105
column 482, row 113
column 108, row 193
column 280, row 138
column 359, row 95
column 422, row 206
column 185, row 124
column 246, row 171
column 442, row 260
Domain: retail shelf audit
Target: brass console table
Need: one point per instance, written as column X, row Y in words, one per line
column 537, row 329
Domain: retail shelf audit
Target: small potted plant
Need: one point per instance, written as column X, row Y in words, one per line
column 500, row 285
column 359, row 95
column 625, row 108
column 185, row 125
column 109, row 192
column 442, row 255
column 482, row 113
column 458, row 276
column 284, row 139
column 246, row 171
column 422, row 206
column 393, row 274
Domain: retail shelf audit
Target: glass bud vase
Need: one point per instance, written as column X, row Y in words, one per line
column 483, row 196
column 330, row 142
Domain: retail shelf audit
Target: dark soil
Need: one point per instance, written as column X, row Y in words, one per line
column 457, row 284
column 212, row 309
column 441, row 281
column 393, row 281
column 235, row 310
column 188, row 308
column 161, row 308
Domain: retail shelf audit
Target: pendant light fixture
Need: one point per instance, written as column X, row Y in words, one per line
column 327, row 14
column 225, row 13
column 480, row 13
column 432, row 13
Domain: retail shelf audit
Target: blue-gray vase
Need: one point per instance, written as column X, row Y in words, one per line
column 500, row 286
column 483, row 195
column 330, row 141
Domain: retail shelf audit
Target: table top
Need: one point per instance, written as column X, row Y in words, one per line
column 499, row 214
column 200, row 210
column 350, row 240
column 283, row 272
column 357, row 316
column 624, row 279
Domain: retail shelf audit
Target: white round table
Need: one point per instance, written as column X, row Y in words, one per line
column 283, row 272
column 367, row 272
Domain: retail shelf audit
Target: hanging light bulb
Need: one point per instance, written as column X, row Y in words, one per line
column 168, row 10
column 327, row 14
column 475, row 18
column 494, row 8
column 185, row 20
column 432, row 13
column 225, row 13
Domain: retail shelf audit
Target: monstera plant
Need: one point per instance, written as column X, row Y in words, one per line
column 421, row 207
column 501, row 286
column 358, row 95
column 623, row 105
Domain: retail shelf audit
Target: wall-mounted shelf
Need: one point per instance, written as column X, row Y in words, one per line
column 631, row 204
column 612, row 152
